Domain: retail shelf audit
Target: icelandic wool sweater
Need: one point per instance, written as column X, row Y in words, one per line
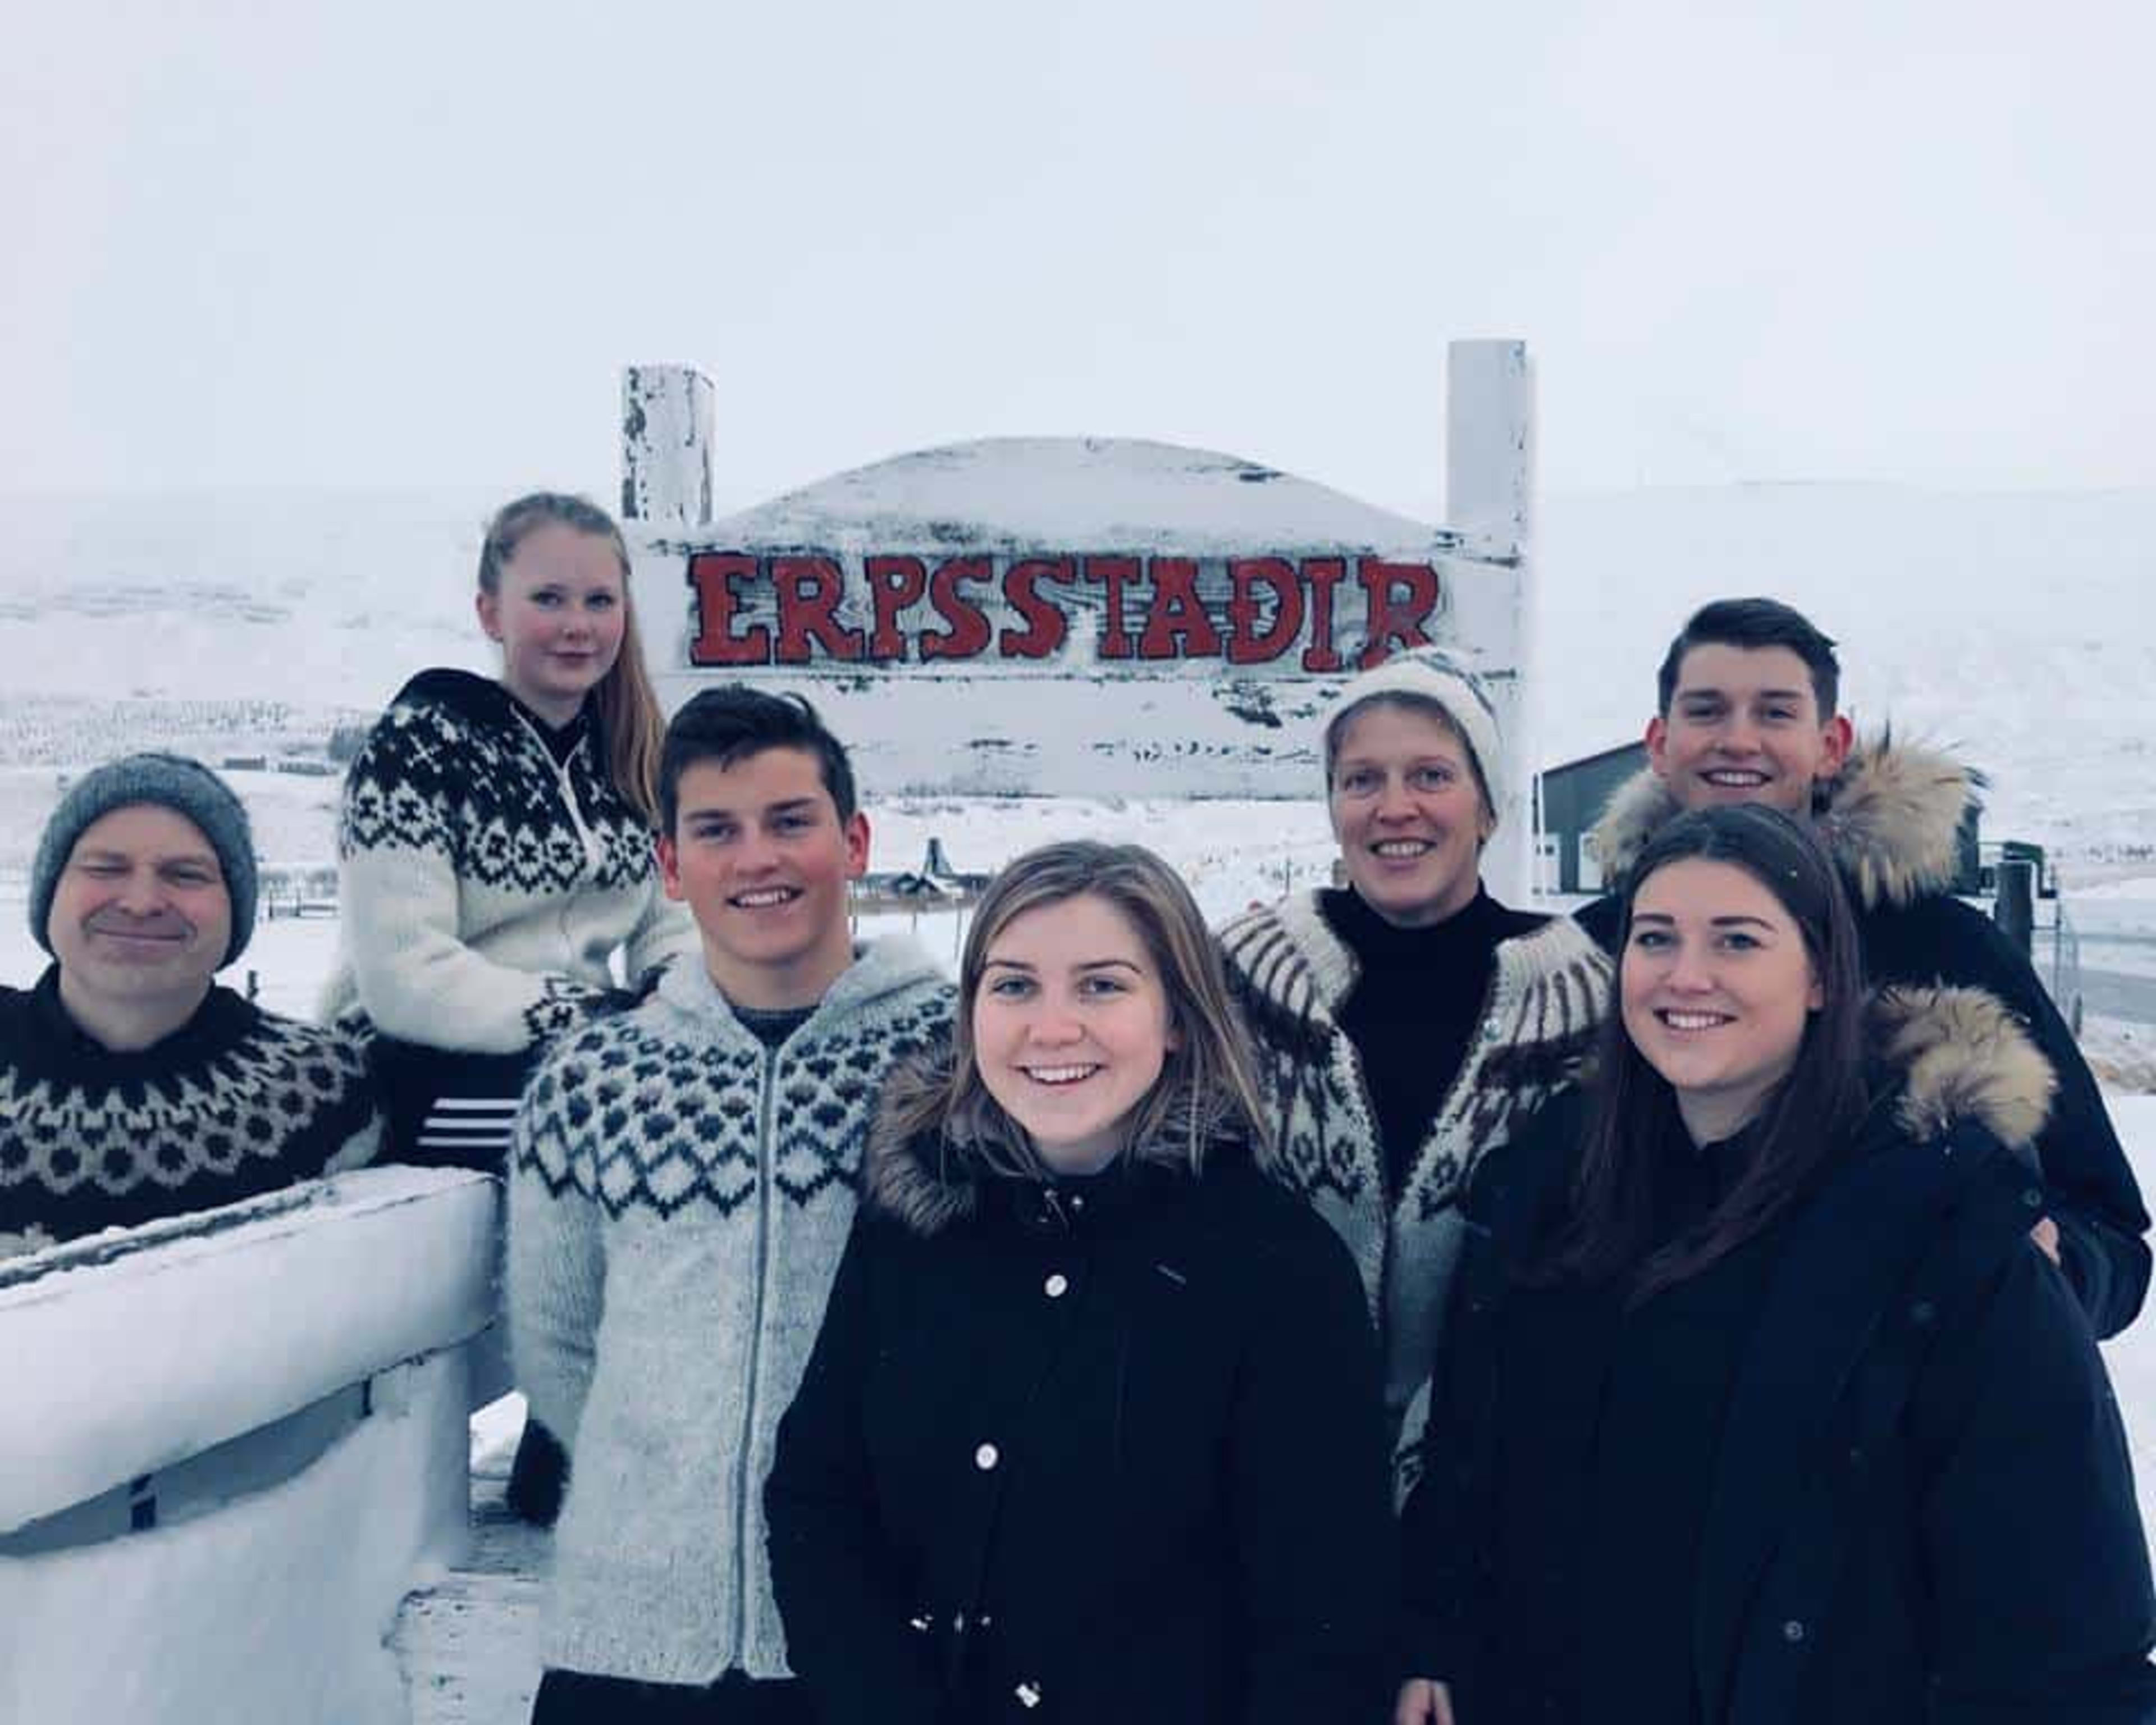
column 1889, row 818
column 482, row 885
column 678, row 1198
column 1293, row 975
column 233, row 1103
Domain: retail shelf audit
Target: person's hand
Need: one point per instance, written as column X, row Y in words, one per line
column 1423, row 1701
column 2046, row 1234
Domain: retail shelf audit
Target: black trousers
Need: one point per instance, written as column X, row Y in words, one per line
column 579, row 1698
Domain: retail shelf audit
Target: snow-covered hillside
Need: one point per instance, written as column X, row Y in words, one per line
column 2021, row 628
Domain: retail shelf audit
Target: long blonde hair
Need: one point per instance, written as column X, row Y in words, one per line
column 1206, row 1091
column 630, row 724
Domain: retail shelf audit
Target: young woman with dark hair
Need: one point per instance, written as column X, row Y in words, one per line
column 1092, row 1432
column 1758, row 1404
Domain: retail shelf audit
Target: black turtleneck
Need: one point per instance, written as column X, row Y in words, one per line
column 1418, row 994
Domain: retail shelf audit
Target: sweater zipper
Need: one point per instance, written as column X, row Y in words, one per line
column 585, row 837
column 763, row 1152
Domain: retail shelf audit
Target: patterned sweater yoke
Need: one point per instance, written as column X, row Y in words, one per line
column 483, row 886
column 679, row 1196
column 1292, row 975
column 235, row 1103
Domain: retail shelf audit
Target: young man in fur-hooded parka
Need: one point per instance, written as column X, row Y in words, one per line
column 1748, row 713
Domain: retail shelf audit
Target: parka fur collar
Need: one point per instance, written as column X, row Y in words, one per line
column 1890, row 818
column 927, row 1182
column 1961, row 1055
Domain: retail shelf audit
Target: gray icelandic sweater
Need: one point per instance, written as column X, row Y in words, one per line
column 678, row 1198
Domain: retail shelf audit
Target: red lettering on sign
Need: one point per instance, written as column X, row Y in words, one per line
column 1391, row 620
column 1247, row 644
column 894, row 584
column 1045, row 625
column 1321, row 575
column 809, row 590
column 711, row 573
column 1176, row 626
column 1115, row 574
column 969, row 633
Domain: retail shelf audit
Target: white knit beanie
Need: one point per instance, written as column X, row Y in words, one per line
column 1433, row 674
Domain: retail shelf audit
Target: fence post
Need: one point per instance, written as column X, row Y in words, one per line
column 2015, row 910
column 666, row 418
column 1490, row 500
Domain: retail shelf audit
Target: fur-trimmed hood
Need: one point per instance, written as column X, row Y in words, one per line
column 1959, row 1054
column 927, row 1182
column 1890, row 818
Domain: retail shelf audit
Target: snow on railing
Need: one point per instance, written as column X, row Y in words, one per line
column 231, row 1443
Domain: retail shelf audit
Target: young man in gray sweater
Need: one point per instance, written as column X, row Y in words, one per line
column 681, row 1185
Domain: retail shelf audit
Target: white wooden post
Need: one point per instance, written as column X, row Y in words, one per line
column 1490, row 498
column 666, row 418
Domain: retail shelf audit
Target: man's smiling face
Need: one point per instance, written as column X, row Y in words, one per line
column 1744, row 726
column 140, row 910
column 761, row 859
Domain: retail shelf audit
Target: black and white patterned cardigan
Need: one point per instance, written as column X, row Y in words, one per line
column 482, row 889
column 678, row 1198
column 235, row 1102
column 1292, row 975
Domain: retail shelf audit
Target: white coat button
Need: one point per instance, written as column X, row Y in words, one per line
column 1029, row 1695
column 1056, row 1286
column 986, row 1456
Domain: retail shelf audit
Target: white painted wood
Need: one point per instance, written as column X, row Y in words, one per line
column 860, row 590
column 1490, row 501
column 227, row 1321
column 1489, row 446
column 666, row 414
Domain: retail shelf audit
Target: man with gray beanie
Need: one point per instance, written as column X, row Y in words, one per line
column 132, row 1086
column 1406, row 1024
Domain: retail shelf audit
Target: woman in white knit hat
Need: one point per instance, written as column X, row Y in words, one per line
column 1406, row 1022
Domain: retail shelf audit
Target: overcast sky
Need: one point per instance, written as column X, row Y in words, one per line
column 412, row 244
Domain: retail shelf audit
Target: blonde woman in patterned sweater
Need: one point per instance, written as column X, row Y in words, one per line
column 1408, row 1023
column 495, row 856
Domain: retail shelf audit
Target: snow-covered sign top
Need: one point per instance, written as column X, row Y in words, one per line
column 1178, row 616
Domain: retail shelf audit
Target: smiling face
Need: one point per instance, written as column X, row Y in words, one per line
column 1409, row 812
column 559, row 613
column 1070, row 1028
column 1744, row 726
column 1716, row 988
column 761, row 858
column 140, row 914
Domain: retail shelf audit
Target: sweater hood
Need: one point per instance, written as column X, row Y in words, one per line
column 467, row 694
column 1890, row 818
column 1962, row 1056
column 925, row 1181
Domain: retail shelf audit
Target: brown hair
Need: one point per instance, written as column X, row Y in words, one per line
column 1206, row 1091
column 631, row 726
column 1635, row 1135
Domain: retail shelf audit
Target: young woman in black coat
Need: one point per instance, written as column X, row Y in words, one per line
column 1759, row 1404
column 1092, row 1431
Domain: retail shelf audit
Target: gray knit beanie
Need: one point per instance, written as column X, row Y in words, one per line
column 172, row 781
column 1429, row 674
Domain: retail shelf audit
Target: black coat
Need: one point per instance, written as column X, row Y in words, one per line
column 1889, row 820
column 1920, row 1504
column 1102, row 1455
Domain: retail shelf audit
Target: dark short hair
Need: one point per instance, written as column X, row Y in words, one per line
column 733, row 722
column 1752, row 625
